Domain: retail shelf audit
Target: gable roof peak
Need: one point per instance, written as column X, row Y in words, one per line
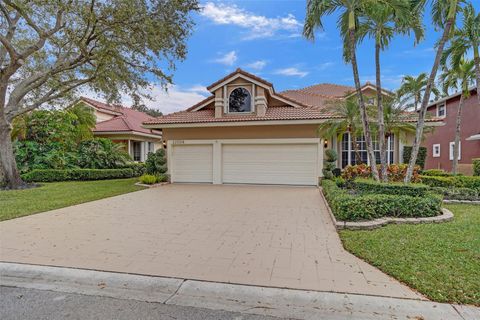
column 239, row 71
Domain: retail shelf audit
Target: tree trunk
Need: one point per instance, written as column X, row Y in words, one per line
column 358, row 158
column 426, row 97
column 381, row 119
column 456, row 146
column 363, row 109
column 476, row 59
column 7, row 159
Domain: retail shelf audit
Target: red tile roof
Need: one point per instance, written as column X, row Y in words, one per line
column 125, row 119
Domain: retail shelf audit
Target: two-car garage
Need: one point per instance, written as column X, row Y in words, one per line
column 249, row 161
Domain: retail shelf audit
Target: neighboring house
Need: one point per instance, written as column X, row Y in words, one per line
column 248, row 133
column 124, row 125
column 440, row 142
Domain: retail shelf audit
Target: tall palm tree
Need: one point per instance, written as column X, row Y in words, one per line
column 348, row 22
column 413, row 88
column 381, row 21
column 346, row 120
column 444, row 13
column 459, row 77
column 465, row 39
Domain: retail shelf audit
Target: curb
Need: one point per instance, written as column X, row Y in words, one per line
column 446, row 216
column 285, row 303
column 155, row 185
column 461, row 201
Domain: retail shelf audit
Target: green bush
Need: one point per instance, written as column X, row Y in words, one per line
column 50, row 175
column 452, row 181
column 329, row 163
column 161, row 177
column 436, row 173
column 138, row 168
column 370, row 186
column 156, row 162
column 458, row 193
column 476, row 167
column 422, row 155
column 148, row 179
column 351, row 207
column 101, row 153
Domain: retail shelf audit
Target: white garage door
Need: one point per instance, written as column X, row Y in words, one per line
column 192, row 163
column 294, row 164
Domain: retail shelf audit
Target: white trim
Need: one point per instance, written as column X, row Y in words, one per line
column 236, row 76
column 444, row 105
column 368, row 86
column 435, row 154
column 450, row 150
column 133, row 133
column 473, row 137
column 206, row 103
column 233, row 123
column 252, row 104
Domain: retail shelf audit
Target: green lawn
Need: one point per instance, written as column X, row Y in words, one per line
column 442, row 261
column 17, row 203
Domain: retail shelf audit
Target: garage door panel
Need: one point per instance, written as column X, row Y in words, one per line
column 270, row 163
column 193, row 163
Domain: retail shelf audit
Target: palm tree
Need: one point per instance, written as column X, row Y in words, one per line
column 460, row 77
column 465, row 39
column 444, row 13
column 381, row 21
column 350, row 10
column 413, row 88
column 84, row 121
column 347, row 119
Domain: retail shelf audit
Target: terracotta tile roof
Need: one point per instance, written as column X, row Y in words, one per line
column 125, row 119
column 245, row 73
column 273, row 113
column 200, row 103
column 327, row 90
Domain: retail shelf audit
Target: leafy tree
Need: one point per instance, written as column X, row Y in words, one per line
column 460, row 77
column 413, row 88
column 465, row 39
column 444, row 13
column 140, row 106
column 381, row 21
column 50, row 49
column 101, row 153
column 156, row 162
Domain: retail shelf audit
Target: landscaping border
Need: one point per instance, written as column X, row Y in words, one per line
column 155, row 185
column 461, row 201
column 446, row 216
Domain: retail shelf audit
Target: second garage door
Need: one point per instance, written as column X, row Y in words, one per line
column 294, row 164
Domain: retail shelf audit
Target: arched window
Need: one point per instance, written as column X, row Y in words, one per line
column 240, row 101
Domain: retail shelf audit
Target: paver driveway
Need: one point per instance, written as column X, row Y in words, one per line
column 258, row 235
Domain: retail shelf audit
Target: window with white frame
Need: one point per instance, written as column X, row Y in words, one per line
column 436, row 150
column 240, row 100
column 452, row 148
column 442, row 110
column 354, row 151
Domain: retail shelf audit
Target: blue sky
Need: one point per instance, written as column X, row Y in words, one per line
column 264, row 37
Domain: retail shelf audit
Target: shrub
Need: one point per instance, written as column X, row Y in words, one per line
column 452, row 181
column 395, row 172
column 101, row 153
column 138, row 168
column 348, row 207
column 329, row 163
column 476, row 167
column 148, row 179
column 370, row 186
column 458, row 193
column 163, row 177
column 156, row 162
column 436, row 173
column 50, row 175
column 422, row 155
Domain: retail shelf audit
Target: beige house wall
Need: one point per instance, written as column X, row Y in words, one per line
column 102, row 116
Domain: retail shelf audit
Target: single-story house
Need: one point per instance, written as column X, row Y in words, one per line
column 245, row 132
column 124, row 125
column 440, row 142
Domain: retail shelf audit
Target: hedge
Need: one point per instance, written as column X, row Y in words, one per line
column 436, row 173
column 139, row 169
column 458, row 193
column 370, row 186
column 50, row 175
column 348, row 207
column 476, row 167
column 422, row 155
column 453, row 181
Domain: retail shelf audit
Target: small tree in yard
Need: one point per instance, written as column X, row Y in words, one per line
column 51, row 49
column 329, row 163
column 157, row 163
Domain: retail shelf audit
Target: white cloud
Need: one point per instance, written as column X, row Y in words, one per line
column 257, row 65
column 325, row 65
column 258, row 26
column 292, row 72
column 228, row 59
column 173, row 100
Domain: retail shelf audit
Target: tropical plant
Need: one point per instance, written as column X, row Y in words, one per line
column 444, row 13
column 329, row 163
column 50, row 49
column 156, row 162
column 465, row 39
column 101, row 153
column 348, row 24
column 381, row 21
column 460, row 77
column 412, row 90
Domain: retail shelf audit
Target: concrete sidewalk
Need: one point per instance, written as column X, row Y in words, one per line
column 284, row 303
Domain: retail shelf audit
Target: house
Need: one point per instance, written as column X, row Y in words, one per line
column 246, row 132
column 124, row 125
column 440, row 142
